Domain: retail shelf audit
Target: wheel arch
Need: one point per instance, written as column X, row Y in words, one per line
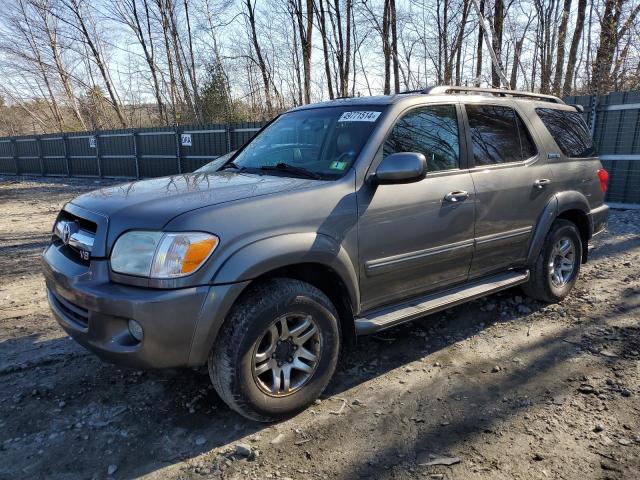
column 329, row 282
column 310, row 257
column 570, row 205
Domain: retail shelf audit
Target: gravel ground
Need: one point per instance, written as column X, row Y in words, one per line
column 500, row 388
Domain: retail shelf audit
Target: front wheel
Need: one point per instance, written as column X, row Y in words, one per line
column 277, row 350
column 556, row 269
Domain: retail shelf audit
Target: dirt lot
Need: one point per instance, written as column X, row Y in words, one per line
column 504, row 387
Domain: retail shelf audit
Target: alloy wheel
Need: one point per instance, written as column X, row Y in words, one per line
column 286, row 355
column 562, row 262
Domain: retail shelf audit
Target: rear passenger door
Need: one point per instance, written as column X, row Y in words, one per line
column 511, row 180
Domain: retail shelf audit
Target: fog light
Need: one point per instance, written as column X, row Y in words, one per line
column 135, row 329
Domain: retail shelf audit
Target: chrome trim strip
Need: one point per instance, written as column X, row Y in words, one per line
column 503, row 235
column 378, row 266
column 373, row 267
column 82, row 240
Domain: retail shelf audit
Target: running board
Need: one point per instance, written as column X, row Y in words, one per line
column 419, row 307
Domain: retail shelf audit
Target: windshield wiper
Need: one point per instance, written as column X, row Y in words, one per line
column 232, row 165
column 285, row 167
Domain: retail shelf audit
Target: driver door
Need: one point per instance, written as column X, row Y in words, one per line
column 415, row 238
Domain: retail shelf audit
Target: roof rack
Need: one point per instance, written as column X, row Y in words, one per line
column 498, row 92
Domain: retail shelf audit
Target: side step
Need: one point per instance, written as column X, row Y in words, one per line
column 418, row 307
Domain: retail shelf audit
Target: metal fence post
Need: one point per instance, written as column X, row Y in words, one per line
column 14, row 144
column 593, row 116
column 228, row 129
column 40, row 159
column 135, row 154
column 65, row 148
column 98, row 154
column 178, row 157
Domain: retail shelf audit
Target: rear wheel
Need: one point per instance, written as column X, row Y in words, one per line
column 277, row 350
column 556, row 269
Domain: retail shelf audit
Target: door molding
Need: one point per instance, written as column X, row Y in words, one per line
column 410, row 259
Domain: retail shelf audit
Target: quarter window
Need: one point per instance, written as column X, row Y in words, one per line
column 498, row 135
column 432, row 131
column 569, row 131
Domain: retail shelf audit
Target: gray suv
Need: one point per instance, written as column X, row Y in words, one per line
column 338, row 219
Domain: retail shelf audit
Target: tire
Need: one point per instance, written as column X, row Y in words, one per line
column 248, row 334
column 542, row 286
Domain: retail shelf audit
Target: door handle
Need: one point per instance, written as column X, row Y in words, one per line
column 456, row 196
column 542, row 182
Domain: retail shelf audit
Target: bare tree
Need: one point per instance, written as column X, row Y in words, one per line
column 573, row 50
column 82, row 22
column 562, row 35
column 304, row 21
column 139, row 21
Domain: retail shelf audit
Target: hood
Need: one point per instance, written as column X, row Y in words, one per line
column 153, row 203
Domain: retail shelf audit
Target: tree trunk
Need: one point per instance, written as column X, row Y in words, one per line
column 394, row 45
column 74, row 6
column 606, row 49
column 386, row 48
column 260, row 59
column 516, row 60
column 147, row 49
column 562, row 35
column 573, row 50
column 498, row 22
column 322, row 26
column 479, row 49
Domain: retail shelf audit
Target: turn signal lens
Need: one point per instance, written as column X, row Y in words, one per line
column 198, row 253
column 603, row 176
column 182, row 253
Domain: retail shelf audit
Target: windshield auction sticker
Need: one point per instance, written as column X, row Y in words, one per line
column 359, row 117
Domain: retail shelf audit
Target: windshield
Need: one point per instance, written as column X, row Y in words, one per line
column 321, row 142
column 215, row 165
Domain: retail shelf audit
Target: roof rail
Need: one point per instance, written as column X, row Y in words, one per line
column 498, row 92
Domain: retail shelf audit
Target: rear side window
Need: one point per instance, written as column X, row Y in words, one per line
column 432, row 131
column 569, row 131
column 498, row 135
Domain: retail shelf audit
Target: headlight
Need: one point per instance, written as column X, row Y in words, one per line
column 161, row 255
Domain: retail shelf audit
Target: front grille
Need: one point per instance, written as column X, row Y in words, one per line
column 74, row 236
column 83, row 223
column 73, row 312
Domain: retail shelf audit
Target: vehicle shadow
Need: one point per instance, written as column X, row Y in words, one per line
column 93, row 407
column 498, row 398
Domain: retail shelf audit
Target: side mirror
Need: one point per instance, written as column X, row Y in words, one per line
column 403, row 167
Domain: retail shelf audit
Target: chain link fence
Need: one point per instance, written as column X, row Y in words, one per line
column 151, row 152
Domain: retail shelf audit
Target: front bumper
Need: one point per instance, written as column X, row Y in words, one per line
column 179, row 325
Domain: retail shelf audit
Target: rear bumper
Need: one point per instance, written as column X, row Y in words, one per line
column 598, row 218
column 179, row 325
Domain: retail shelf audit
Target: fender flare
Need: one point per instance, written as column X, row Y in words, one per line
column 559, row 203
column 268, row 254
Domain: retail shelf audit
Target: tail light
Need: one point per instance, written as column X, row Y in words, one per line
column 603, row 176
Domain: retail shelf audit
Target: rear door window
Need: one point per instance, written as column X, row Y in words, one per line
column 432, row 131
column 498, row 135
column 569, row 131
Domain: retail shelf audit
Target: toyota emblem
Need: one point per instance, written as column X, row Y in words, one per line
column 66, row 233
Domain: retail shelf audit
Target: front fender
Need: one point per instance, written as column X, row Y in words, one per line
column 266, row 255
